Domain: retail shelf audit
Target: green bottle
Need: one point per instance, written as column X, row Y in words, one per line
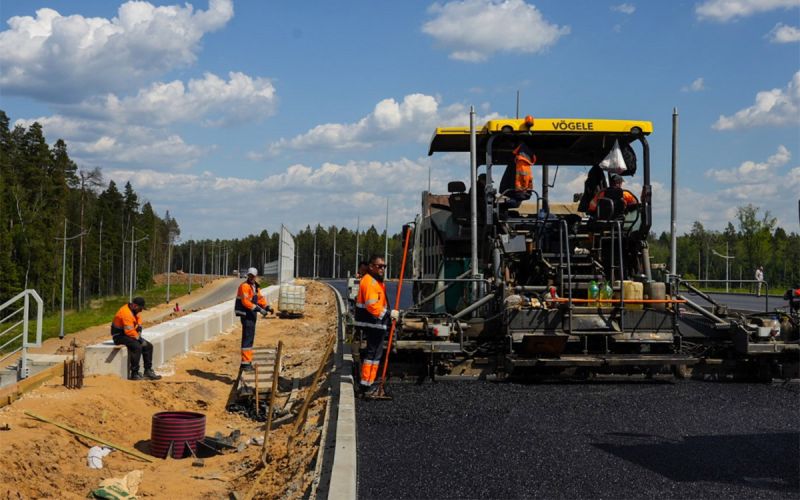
column 594, row 292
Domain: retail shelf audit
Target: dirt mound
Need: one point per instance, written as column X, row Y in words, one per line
column 39, row 460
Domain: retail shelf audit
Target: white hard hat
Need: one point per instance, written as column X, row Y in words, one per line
column 253, row 271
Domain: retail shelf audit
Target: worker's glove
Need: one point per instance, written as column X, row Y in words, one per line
column 260, row 310
column 395, row 315
column 139, row 330
column 270, row 309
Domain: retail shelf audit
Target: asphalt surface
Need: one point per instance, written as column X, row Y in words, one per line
column 629, row 438
column 743, row 302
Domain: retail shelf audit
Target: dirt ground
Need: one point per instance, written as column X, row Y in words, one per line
column 39, row 460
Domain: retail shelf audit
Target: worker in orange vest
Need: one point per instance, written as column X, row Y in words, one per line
column 616, row 193
column 249, row 302
column 373, row 318
column 126, row 329
column 522, row 177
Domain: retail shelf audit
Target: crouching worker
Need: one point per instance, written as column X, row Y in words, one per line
column 374, row 318
column 249, row 303
column 126, row 329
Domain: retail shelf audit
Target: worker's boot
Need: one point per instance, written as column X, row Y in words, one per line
column 135, row 375
column 151, row 375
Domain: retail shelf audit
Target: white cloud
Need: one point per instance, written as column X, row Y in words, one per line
column 782, row 33
column 766, row 184
column 476, row 29
column 96, row 143
column 774, row 107
column 727, row 10
column 210, row 100
column 696, row 86
column 624, row 8
column 412, row 119
column 750, row 172
column 67, row 58
column 297, row 196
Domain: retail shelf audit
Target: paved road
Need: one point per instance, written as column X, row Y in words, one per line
column 749, row 302
column 625, row 439
column 223, row 292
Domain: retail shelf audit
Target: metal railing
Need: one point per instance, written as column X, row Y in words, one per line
column 740, row 281
column 12, row 334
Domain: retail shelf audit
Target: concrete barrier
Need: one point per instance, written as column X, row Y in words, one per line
column 170, row 338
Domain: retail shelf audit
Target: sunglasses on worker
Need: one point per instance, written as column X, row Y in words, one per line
column 379, row 266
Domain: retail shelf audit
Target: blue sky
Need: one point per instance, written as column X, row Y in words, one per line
column 241, row 115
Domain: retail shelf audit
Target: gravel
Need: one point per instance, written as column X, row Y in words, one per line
column 627, row 438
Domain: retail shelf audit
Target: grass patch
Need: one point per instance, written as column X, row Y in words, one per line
column 98, row 312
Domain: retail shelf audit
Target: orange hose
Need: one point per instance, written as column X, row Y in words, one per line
column 627, row 301
column 397, row 307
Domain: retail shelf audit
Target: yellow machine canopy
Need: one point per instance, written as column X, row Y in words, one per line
column 554, row 141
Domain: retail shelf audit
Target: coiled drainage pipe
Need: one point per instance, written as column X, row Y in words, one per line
column 176, row 429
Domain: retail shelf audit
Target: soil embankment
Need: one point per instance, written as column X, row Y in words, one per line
column 39, row 460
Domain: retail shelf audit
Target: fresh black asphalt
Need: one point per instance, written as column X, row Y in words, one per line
column 626, row 438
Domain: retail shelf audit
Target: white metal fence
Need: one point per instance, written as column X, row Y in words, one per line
column 19, row 329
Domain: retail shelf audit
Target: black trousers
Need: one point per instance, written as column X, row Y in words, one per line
column 136, row 350
column 248, row 337
column 374, row 349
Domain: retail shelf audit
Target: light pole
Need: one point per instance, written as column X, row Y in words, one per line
column 333, row 267
column 191, row 264
column 64, row 272
column 314, row 255
column 133, row 241
column 358, row 228
column 386, row 233
column 169, row 260
column 727, row 258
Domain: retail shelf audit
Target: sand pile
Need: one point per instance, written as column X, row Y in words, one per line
column 39, row 460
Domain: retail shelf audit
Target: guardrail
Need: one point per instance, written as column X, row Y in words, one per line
column 8, row 333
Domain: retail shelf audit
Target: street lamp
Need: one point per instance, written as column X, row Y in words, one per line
column 727, row 258
column 169, row 260
column 64, row 272
column 133, row 241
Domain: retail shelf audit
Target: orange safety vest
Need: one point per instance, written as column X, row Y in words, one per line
column 523, row 180
column 246, row 295
column 371, row 304
column 125, row 322
column 627, row 198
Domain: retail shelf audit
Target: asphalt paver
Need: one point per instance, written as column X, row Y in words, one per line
column 627, row 438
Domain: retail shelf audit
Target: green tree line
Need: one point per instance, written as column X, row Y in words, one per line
column 44, row 196
column 755, row 240
column 232, row 255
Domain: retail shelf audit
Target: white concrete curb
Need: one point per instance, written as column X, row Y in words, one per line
column 339, row 474
column 170, row 338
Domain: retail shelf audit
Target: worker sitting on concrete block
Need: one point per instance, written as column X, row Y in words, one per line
column 126, row 329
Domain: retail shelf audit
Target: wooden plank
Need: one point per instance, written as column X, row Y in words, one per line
column 13, row 392
column 129, row 451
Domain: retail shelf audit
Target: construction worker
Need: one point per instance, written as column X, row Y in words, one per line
column 373, row 317
column 522, row 173
column 793, row 296
column 249, row 302
column 126, row 329
column 614, row 192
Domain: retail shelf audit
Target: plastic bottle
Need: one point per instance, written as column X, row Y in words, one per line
column 609, row 292
column 594, row 292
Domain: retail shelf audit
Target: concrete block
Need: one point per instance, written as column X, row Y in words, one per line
column 106, row 359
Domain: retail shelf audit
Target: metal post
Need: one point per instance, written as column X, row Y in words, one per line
column 358, row 228
column 386, row 234
column 130, row 283
column 473, row 198
column 191, row 264
column 169, row 263
column 314, row 256
column 673, row 214
column 63, row 279
column 333, row 266
column 203, row 274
